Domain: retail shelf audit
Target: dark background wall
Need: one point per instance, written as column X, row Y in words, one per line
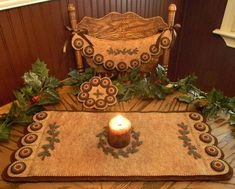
column 202, row 52
column 38, row 31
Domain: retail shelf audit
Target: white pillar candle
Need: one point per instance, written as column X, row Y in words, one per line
column 119, row 131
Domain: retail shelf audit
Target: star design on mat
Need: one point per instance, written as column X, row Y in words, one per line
column 98, row 93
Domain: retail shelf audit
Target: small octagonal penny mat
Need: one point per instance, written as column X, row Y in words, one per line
column 72, row 146
column 98, row 93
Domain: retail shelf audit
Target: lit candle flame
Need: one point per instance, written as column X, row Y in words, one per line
column 119, row 122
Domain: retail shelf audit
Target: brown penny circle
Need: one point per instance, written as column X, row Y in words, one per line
column 89, row 102
column 100, row 103
column 145, row 57
column 200, row 126
column 153, row 49
column 195, row 116
column 165, row 42
column 25, row 152
column 86, row 87
column 211, row 150
column 18, row 168
column 35, row 126
column 78, row 43
column 135, row 63
column 95, row 81
column 111, row 90
column 122, row 66
column 83, row 96
column 109, row 65
column 105, row 82
column 205, row 137
column 110, row 99
column 41, row 115
column 89, row 50
column 98, row 58
column 217, row 165
column 30, row 138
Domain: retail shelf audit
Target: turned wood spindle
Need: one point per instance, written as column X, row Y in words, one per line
column 73, row 22
column 170, row 20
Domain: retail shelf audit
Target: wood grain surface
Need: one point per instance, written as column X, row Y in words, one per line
column 220, row 128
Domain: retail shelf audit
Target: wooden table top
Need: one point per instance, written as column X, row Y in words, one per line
column 220, row 128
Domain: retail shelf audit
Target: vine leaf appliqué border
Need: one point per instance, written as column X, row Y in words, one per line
column 116, row 153
column 184, row 131
column 52, row 139
column 122, row 51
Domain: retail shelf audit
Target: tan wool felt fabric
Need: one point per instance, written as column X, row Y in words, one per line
column 162, row 153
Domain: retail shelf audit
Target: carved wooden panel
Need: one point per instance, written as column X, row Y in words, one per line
column 37, row 31
column 115, row 26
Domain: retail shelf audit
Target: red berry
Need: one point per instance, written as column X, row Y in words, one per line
column 35, row 99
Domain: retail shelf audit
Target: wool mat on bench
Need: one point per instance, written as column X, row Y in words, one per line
column 72, row 146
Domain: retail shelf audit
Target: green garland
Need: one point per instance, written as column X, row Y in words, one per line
column 40, row 89
column 158, row 86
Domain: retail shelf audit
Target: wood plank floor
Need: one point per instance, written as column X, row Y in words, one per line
column 220, row 128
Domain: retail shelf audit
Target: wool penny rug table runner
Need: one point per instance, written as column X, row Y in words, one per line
column 72, row 146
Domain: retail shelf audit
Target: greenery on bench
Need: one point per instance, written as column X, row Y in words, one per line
column 40, row 89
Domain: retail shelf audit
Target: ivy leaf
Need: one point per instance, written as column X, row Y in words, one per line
column 74, row 74
column 231, row 104
column 168, row 89
column 160, row 71
column 89, row 73
column 214, row 96
column 40, row 69
column 129, row 94
column 77, row 78
column 161, row 74
column 159, row 92
column 232, row 119
column 134, row 75
column 51, row 82
column 185, row 85
column 121, row 88
column 210, row 110
column 217, row 98
column 144, row 89
column 185, row 98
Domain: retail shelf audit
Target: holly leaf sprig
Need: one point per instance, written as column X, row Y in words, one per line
column 39, row 89
column 76, row 79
